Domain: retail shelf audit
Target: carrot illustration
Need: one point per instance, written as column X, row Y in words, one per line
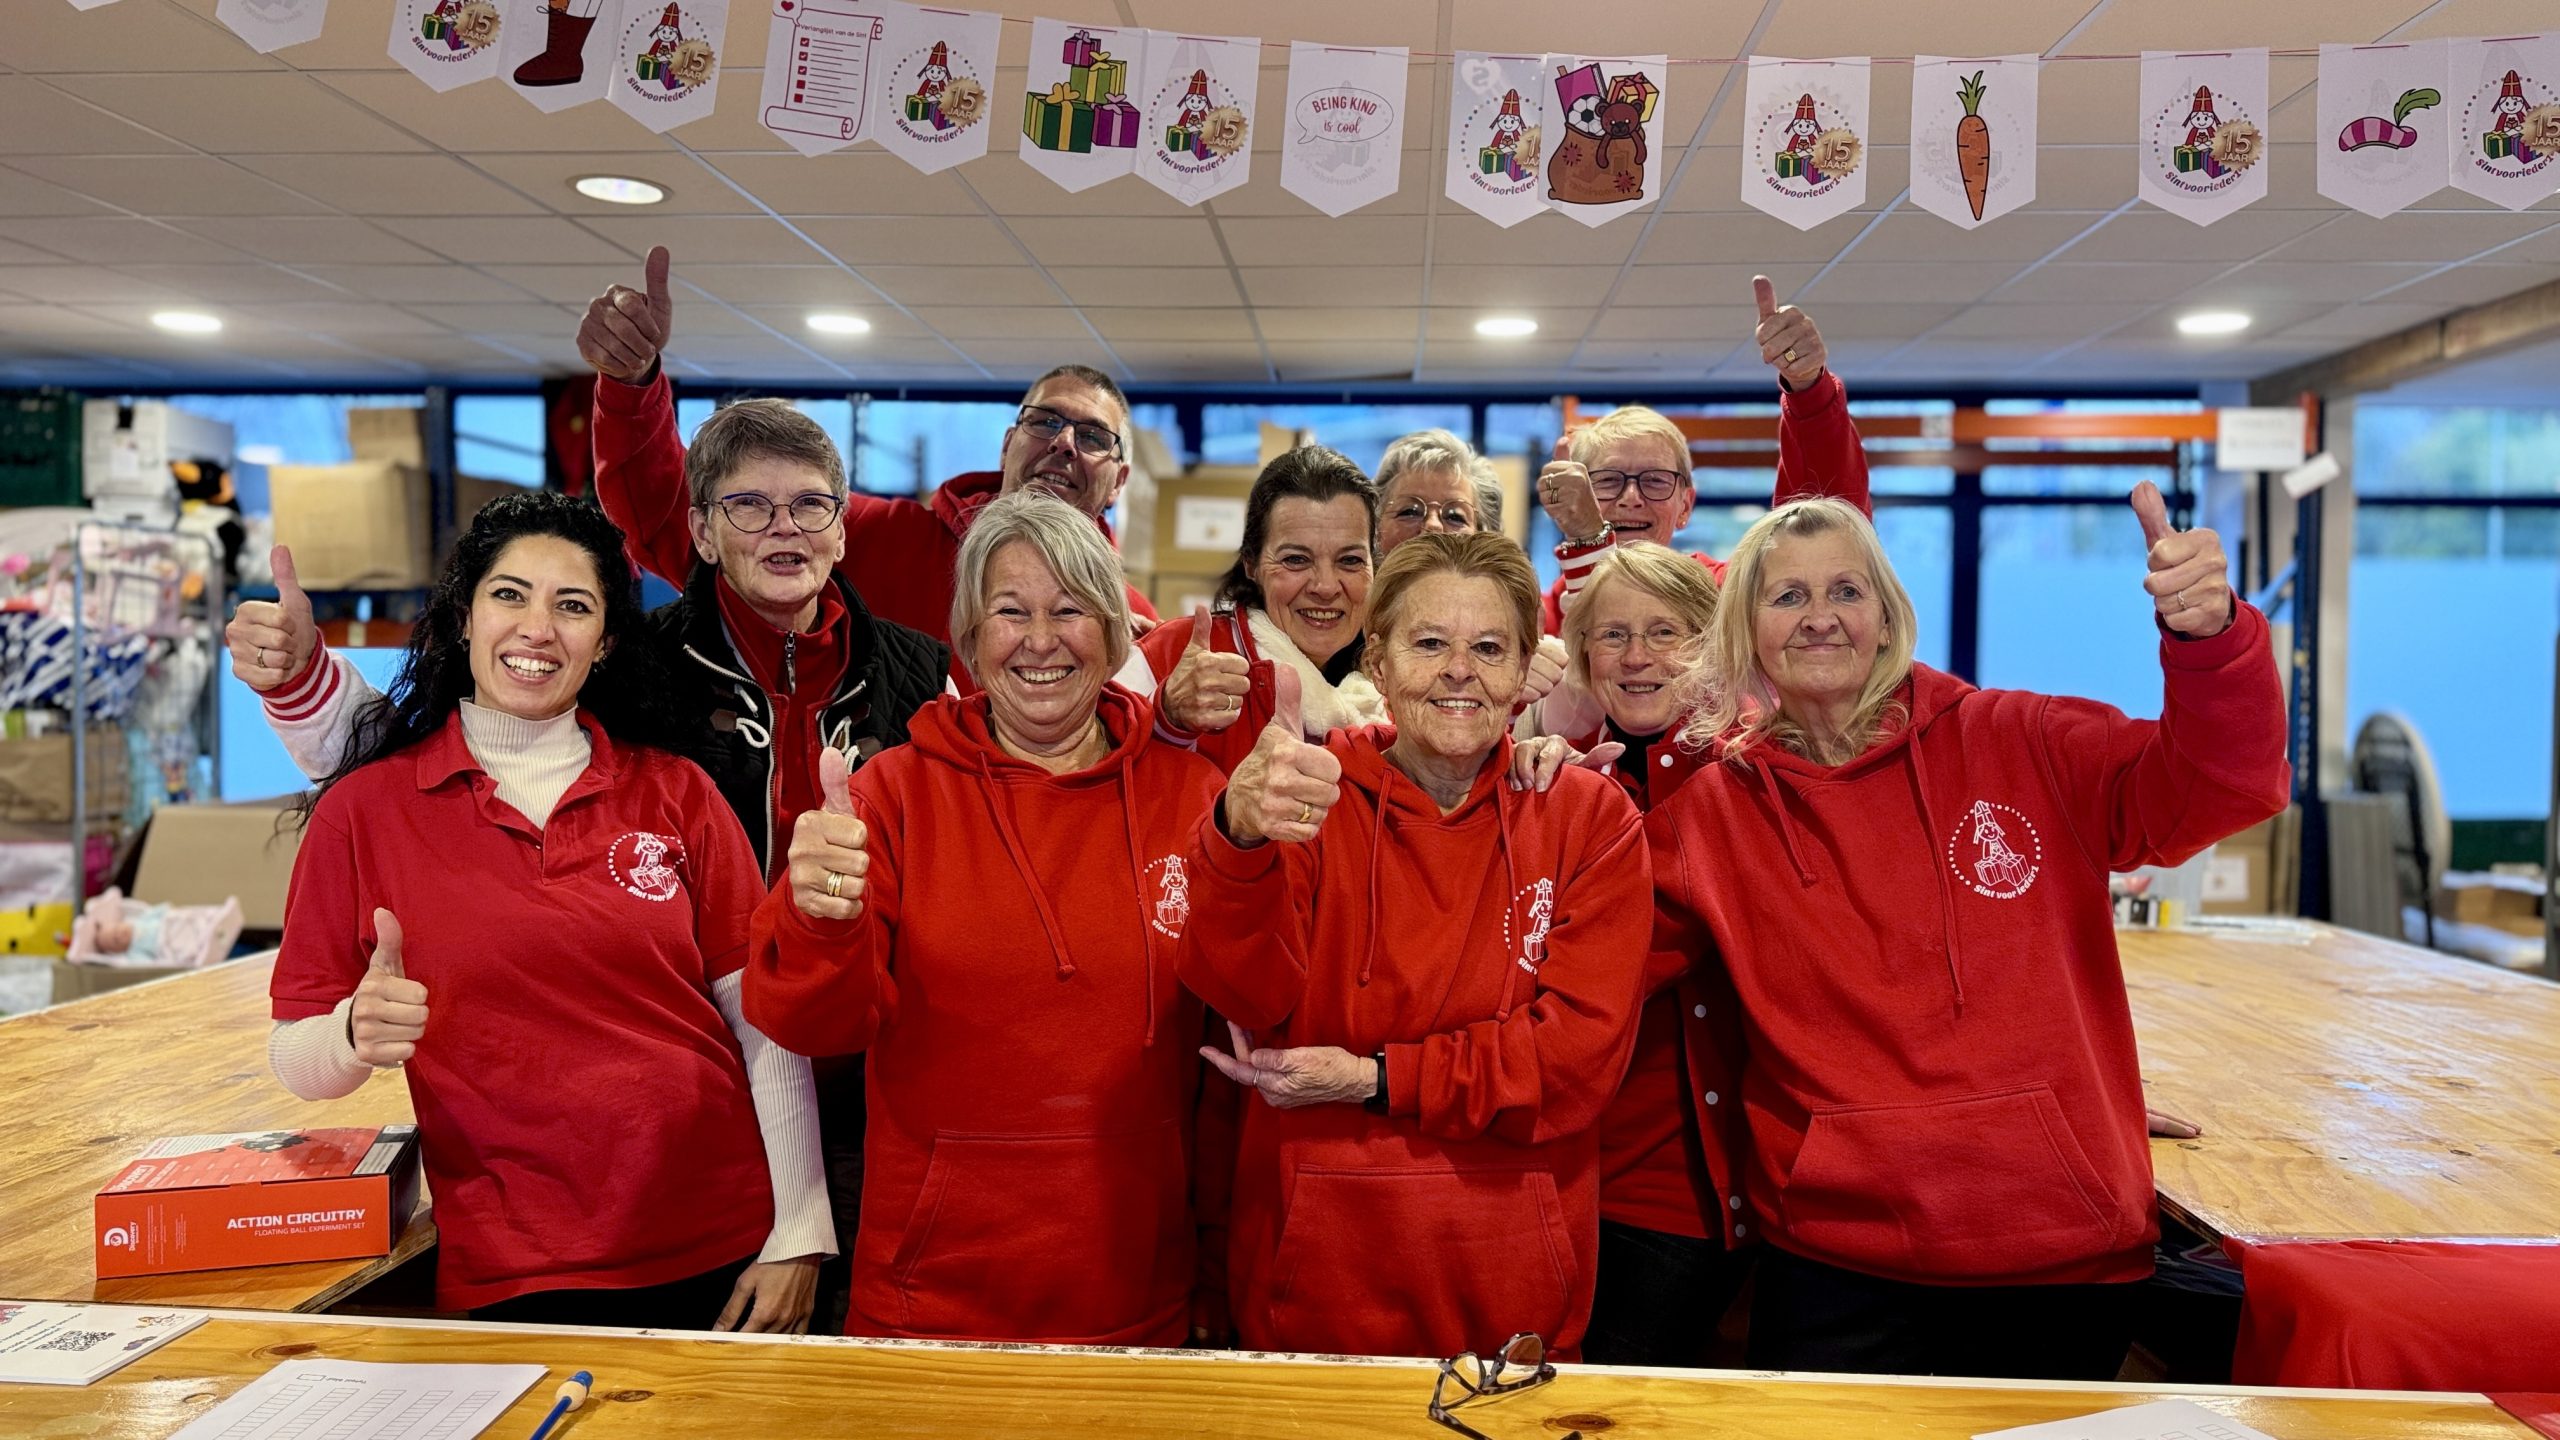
column 1973, row 145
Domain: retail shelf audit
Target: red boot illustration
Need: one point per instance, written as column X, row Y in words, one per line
column 563, row 60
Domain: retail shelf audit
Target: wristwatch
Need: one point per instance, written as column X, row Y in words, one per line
column 1377, row 1100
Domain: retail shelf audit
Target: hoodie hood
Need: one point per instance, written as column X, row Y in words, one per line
column 1396, row 801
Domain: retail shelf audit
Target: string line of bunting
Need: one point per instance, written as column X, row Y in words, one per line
column 1577, row 134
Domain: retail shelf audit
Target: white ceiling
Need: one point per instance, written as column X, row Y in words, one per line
column 354, row 227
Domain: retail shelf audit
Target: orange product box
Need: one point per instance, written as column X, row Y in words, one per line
column 273, row 1197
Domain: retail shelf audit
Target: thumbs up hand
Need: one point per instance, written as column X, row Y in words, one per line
column 1284, row 788
column 1564, row 491
column 626, row 329
column 1206, row 690
column 2190, row 579
column 271, row 640
column 390, row 1012
column 1787, row 338
column 826, row 859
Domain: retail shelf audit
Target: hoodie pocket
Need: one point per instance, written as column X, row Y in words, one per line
column 1420, row 1260
column 1983, row 1186
column 1046, row 1237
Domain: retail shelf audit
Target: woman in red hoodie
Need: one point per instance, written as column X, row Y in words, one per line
column 991, row 914
column 1441, row 975
column 1906, row 880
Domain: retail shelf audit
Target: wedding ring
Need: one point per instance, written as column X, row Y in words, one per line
column 1789, row 357
column 1306, row 812
column 835, row 886
column 2182, row 601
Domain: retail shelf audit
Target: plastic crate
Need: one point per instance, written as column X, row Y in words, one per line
column 40, row 448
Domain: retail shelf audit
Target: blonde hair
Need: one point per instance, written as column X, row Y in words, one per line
column 1630, row 422
column 1677, row 580
column 1736, row 704
column 1068, row 542
column 1473, row 553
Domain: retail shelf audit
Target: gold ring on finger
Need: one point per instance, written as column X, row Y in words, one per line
column 1306, row 812
column 1789, row 357
column 2182, row 601
column 835, row 886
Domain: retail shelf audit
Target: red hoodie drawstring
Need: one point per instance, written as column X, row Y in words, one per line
column 1946, row 890
column 1786, row 822
column 1377, row 848
column 1510, row 892
column 1013, row 849
column 1138, row 877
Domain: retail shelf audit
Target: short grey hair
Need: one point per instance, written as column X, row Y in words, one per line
column 1443, row 450
column 752, row 429
column 1068, row 542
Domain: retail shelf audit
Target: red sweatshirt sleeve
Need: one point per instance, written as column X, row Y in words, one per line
column 1245, row 948
column 328, row 930
column 823, row 987
column 1550, row 1067
column 725, row 883
column 640, row 475
column 2154, row 792
column 1819, row 452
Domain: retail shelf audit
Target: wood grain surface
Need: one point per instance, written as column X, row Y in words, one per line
column 704, row 1389
column 2350, row 1086
column 87, row 1085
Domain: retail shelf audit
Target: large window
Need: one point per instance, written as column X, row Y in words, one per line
column 1232, row 434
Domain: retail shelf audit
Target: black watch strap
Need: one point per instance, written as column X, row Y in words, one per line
column 1378, row 1097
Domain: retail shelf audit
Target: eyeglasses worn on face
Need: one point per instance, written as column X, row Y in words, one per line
column 752, row 514
column 1093, row 442
column 1451, row 518
column 1521, row 1364
column 1660, row 639
column 1652, row 484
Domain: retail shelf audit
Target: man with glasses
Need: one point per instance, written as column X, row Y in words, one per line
column 1069, row 437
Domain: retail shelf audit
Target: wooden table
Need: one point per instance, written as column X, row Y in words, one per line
column 88, row 1084
column 712, row 1386
column 2349, row 1087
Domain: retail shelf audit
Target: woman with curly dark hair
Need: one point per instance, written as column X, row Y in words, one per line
column 514, row 888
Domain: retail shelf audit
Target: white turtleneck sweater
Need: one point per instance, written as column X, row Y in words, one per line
column 535, row 762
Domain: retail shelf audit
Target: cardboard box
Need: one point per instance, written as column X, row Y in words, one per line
column 206, row 854
column 2477, row 898
column 276, row 1197
column 1190, row 523
column 387, row 432
column 35, row 778
column 362, row 526
column 2255, row 872
column 1176, row 593
column 74, row 980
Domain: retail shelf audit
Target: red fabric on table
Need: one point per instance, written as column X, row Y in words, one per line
column 2542, row 1412
column 2402, row 1315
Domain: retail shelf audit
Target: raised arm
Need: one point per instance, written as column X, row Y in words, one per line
column 819, row 948
column 1245, row 948
column 639, row 454
column 1819, row 451
column 311, row 697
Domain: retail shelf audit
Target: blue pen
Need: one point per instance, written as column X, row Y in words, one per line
column 573, row 1393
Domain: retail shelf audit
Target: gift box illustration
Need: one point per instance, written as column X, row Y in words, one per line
column 652, row 67
column 921, row 110
column 1637, row 90
column 435, row 27
column 1082, row 49
column 2190, row 159
column 2500, row 145
column 1792, row 164
column 1058, row 121
column 1103, row 78
column 1116, row 123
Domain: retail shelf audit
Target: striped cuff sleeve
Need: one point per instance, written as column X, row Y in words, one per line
column 308, row 693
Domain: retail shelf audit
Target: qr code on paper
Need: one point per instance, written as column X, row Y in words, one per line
column 75, row 1341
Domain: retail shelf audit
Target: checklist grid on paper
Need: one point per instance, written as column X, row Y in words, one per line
column 825, row 89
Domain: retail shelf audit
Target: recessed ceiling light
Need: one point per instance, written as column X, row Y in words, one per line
column 187, row 322
column 1506, row 327
column 828, row 322
column 2213, row 322
column 620, row 190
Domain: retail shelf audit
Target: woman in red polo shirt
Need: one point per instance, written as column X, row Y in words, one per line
column 513, row 890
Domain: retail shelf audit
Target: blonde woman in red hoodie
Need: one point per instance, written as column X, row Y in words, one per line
column 1440, row 976
column 991, row 914
column 1906, row 880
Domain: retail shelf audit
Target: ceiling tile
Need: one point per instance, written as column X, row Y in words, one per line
column 174, row 185
column 1548, row 239
column 1745, row 238
column 952, row 240
column 1652, row 284
column 470, row 120
column 22, row 194
column 2437, row 238
column 2070, row 279
column 398, row 185
column 514, row 239
column 2145, row 233
column 1368, row 325
column 1004, row 322
column 1337, row 360
column 267, row 111
column 848, row 182
column 1142, row 285
column 933, row 285
column 1382, row 285
column 1276, row 241
column 1716, row 327
column 396, row 284
column 1860, row 281
column 314, row 240
column 2364, row 322
column 36, row 118
column 80, row 285
column 111, row 241
column 1516, row 285
column 2469, row 285
column 1231, row 324
column 243, row 284
column 1079, row 240
column 148, row 37
column 1012, row 189
column 2034, row 322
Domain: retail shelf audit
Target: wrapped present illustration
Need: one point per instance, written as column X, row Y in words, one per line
column 2190, row 159
column 1637, row 90
column 434, row 26
column 1103, row 78
column 1116, row 123
column 922, row 111
column 1082, row 49
column 652, row 67
column 2500, row 145
column 1792, row 164
column 1058, row 121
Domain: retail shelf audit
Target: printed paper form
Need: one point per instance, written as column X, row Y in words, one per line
column 2160, row 1420
column 351, row 1400
column 823, row 86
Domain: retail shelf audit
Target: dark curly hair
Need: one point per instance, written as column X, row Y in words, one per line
column 628, row 697
column 1310, row 472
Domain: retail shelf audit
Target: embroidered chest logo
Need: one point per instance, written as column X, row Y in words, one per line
column 1525, row 923
column 1172, row 909
column 1995, row 851
column 646, row 864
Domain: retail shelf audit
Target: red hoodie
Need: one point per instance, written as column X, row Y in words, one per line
column 1940, row 1081
column 1496, row 956
column 901, row 555
column 1033, row 1064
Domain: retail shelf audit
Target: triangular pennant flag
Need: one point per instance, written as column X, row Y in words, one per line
column 2384, row 134
column 1199, row 104
column 90, row 4
column 667, row 61
column 559, row 53
column 2504, row 104
column 1804, row 138
column 447, row 43
column 2202, row 138
column 931, row 102
column 1080, row 125
column 271, row 25
column 818, row 60
column 1344, row 145
column 1603, row 122
column 1496, row 136
column 1973, row 136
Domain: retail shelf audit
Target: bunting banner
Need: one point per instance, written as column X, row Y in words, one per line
column 1603, row 122
column 666, row 68
column 271, row 25
column 818, row 59
column 1079, row 126
column 2202, row 144
column 2505, row 113
column 90, row 4
column 930, row 105
column 1197, row 140
column 559, row 53
column 2384, row 136
column 1344, row 147
column 447, row 43
column 1496, row 138
column 1804, row 138
column 1973, row 136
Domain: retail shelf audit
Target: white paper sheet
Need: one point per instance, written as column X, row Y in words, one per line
column 75, row 1344
column 817, row 72
column 352, row 1400
column 2160, row 1420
